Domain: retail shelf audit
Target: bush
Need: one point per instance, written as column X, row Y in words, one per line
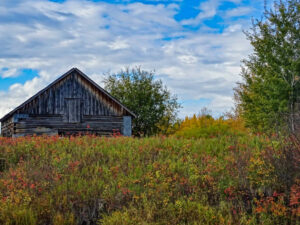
column 205, row 126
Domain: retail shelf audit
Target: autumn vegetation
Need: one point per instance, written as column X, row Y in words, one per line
column 217, row 179
column 205, row 126
column 237, row 169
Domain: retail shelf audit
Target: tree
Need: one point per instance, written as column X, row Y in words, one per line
column 149, row 99
column 268, row 96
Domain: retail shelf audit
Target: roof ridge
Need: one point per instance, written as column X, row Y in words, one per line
column 61, row 78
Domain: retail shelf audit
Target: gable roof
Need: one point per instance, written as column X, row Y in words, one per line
column 61, row 78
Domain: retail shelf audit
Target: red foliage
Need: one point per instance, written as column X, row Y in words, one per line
column 295, row 199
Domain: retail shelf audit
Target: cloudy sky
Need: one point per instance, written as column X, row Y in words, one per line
column 195, row 46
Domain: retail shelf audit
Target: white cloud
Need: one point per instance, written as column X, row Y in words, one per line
column 188, row 59
column 240, row 11
column 11, row 72
column 118, row 44
column 99, row 37
column 208, row 9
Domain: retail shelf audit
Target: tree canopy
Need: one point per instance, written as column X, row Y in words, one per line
column 268, row 96
column 148, row 98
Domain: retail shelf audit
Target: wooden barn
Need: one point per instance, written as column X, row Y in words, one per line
column 72, row 104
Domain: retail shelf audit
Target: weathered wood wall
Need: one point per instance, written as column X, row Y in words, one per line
column 52, row 101
column 100, row 125
column 7, row 127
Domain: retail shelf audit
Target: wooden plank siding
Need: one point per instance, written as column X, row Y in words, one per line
column 101, row 125
column 72, row 104
column 52, row 101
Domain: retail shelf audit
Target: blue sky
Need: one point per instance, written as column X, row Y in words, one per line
column 195, row 46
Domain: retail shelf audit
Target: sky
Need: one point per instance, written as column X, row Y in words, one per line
column 194, row 46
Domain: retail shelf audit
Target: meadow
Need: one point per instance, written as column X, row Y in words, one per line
column 224, row 179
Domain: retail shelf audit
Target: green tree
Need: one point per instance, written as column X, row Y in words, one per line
column 268, row 96
column 149, row 99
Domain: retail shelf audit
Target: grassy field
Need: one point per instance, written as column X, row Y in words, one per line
column 238, row 179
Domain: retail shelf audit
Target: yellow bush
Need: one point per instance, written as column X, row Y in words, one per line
column 207, row 126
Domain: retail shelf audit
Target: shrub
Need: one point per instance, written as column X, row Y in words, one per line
column 205, row 126
column 233, row 179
